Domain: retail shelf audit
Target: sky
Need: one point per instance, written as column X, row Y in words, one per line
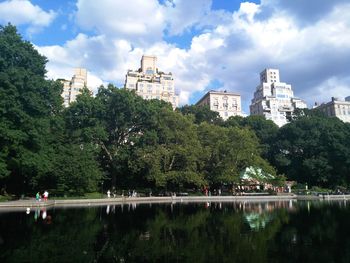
column 206, row 44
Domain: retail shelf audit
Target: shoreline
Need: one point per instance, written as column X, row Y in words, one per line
column 20, row 204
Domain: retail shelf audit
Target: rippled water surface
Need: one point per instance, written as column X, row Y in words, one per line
column 287, row 231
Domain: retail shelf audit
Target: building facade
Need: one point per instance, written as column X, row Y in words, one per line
column 227, row 104
column 73, row 87
column 150, row 83
column 337, row 108
column 274, row 99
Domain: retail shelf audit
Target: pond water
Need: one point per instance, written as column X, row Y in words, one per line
column 286, row 231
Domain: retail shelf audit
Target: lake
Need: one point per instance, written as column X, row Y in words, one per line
column 285, row 231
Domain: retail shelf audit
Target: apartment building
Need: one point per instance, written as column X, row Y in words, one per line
column 73, row 87
column 150, row 83
column 227, row 104
column 337, row 108
column 274, row 99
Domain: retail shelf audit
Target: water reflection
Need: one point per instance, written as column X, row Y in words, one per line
column 285, row 231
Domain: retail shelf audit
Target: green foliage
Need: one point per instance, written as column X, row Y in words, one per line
column 29, row 105
column 314, row 150
column 227, row 151
column 201, row 114
column 168, row 154
column 265, row 130
column 32, row 132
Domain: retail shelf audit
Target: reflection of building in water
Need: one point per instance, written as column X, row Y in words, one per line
column 144, row 236
column 258, row 215
column 258, row 221
column 261, row 207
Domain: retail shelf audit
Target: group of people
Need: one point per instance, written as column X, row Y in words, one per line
column 45, row 196
column 207, row 192
column 109, row 194
column 132, row 194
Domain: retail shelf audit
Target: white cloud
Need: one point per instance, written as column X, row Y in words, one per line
column 182, row 15
column 137, row 20
column 331, row 87
column 21, row 12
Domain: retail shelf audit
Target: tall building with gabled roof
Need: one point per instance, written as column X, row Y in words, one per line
column 150, row 83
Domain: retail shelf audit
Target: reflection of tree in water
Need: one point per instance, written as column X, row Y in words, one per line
column 319, row 232
column 69, row 238
column 194, row 235
column 180, row 233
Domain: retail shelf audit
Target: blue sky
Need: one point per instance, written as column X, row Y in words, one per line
column 206, row 44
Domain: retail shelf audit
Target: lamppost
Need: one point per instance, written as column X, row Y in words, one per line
column 101, row 189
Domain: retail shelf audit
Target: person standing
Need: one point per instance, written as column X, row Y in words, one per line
column 37, row 197
column 46, row 195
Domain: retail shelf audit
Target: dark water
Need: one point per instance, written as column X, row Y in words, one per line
column 227, row 232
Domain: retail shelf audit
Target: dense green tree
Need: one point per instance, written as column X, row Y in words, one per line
column 201, row 114
column 300, row 113
column 169, row 153
column 113, row 121
column 265, row 130
column 227, row 151
column 314, row 150
column 29, row 105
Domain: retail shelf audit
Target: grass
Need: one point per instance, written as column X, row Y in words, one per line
column 5, row 198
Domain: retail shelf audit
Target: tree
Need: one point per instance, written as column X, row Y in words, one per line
column 168, row 154
column 227, row 151
column 314, row 150
column 265, row 130
column 29, row 105
column 201, row 114
column 113, row 121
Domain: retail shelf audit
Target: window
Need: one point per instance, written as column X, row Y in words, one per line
column 225, row 104
column 149, row 71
